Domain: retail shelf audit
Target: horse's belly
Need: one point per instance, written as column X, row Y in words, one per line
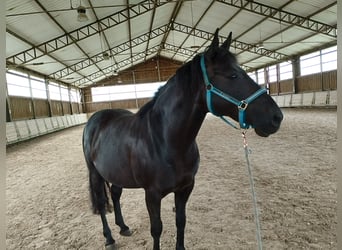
column 118, row 175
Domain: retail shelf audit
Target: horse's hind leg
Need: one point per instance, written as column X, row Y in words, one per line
column 100, row 202
column 116, row 194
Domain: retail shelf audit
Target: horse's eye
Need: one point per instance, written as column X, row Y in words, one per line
column 233, row 76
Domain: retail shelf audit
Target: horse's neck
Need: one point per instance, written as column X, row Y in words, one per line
column 179, row 110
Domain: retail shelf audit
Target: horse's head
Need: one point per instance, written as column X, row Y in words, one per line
column 231, row 92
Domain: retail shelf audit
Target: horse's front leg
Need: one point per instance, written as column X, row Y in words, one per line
column 153, row 202
column 181, row 198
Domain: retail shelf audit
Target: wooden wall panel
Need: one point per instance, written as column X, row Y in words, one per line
column 282, row 87
column 66, row 108
column 309, row 83
column 273, row 88
column 286, row 86
column 329, row 80
column 41, row 108
column 56, row 108
column 153, row 70
column 75, row 108
column 21, row 108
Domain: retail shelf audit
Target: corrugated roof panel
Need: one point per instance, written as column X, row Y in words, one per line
column 46, row 65
column 19, row 7
column 210, row 21
column 38, row 28
column 249, row 20
column 258, row 62
column 92, row 45
column 23, row 24
column 306, row 44
column 117, row 35
column 163, row 14
column 263, row 30
column 272, row 3
column 328, row 16
column 306, row 7
column 246, row 56
column 14, row 45
column 70, row 54
column 176, row 38
column 191, row 12
column 104, row 8
column 140, row 24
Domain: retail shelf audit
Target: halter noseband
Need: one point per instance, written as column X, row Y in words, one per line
column 242, row 105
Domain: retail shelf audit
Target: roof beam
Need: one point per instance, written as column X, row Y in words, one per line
column 283, row 16
column 235, row 44
column 151, row 25
column 121, row 48
column 326, row 45
column 194, row 25
column 81, row 33
column 122, row 64
column 223, row 25
column 189, row 53
column 262, row 20
column 54, row 58
column 139, row 56
column 129, row 30
column 65, row 32
column 100, row 28
column 174, row 14
column 299, row 40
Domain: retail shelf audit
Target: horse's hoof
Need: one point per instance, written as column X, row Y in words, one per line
column 110, row 247
column 126, row 232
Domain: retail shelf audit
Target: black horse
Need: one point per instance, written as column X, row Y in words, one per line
column 155, row 148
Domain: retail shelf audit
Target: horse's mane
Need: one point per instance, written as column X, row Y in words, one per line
column 143, row 110
column 179, row 76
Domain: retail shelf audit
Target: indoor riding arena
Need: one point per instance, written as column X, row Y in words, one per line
column 68, row 59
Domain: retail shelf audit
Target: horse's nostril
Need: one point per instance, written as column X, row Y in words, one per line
column 277, row 118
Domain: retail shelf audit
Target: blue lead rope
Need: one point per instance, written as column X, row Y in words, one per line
column 242, row 106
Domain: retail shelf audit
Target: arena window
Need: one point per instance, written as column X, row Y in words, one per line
column 124, row 92
column 272, row 73
column 329, row 59
column 285, row 70
column 253, row 76
column 75, row 95
column 323, row 60
column 54, row 91
column 65, row 94
column 261, row 76
column 18, row 84
column 38, row 88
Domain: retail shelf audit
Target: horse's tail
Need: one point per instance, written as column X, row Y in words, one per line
column 98, row 189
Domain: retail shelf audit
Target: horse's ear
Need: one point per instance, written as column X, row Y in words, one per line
column 227, row 43
column 215, row 42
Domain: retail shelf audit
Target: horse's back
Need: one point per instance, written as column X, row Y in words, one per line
column 98, row 122
column 107, row 114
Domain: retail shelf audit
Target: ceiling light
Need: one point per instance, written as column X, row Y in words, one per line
column 260, row 45
column 82, row 16
column 105, row 56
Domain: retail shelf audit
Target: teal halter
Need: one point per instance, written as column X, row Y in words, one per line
column 242, row 105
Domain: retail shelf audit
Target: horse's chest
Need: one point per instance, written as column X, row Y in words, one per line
column 177, row 177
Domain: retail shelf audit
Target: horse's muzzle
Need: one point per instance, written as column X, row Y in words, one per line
column 271, row 127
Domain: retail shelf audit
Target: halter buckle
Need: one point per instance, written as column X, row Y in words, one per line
column 243, row 105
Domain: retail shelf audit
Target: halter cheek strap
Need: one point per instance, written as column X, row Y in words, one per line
column 242, row 105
